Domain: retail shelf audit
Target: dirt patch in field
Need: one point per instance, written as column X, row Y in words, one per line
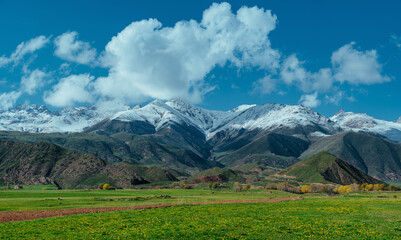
column 11, row 216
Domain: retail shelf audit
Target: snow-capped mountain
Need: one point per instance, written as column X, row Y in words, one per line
column 159, row 114
column 38, row 119
column 248, row 117
column 350, row 121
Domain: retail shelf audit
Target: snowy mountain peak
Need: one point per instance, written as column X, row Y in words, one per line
column 350, row 121
column 339, row 112
column 243, row 107
column 399, row 120
column 354, row 120
column 34, row 118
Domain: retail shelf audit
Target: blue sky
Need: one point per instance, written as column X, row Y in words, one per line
column 326, row 55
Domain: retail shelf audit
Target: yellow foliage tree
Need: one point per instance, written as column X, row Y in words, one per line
column 305, row 188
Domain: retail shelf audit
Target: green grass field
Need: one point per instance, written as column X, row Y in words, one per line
column 23, row 200
column 350, row 216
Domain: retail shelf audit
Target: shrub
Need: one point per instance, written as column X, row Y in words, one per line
column 100, row 186
column 215, row 185
column 106, row 186
column 247, row 186
column 271, row 186
column 237, row 186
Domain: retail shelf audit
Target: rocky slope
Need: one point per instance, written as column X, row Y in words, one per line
column 46, row 163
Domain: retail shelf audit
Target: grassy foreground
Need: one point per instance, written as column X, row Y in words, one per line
column 323, row 218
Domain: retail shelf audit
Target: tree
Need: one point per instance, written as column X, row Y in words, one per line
column 369, row 187
column 106, row 186
column 305, row 189
column 215, row 185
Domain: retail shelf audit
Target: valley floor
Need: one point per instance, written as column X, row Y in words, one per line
column 374, row 215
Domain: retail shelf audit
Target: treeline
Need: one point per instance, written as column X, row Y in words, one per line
column 331, row 188
column 366, row 187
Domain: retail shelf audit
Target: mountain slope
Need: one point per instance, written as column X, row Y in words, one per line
column 275, row 150
column 324, row 167
column 46, row 163
column 375, row 156
column 121, row 147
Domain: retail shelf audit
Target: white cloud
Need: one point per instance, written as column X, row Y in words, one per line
column 64, row 69
column 7, row 100
column 70, row 90
column 357, row 67
column 23, row 49
column 336, row 98
column 265, row 85
column 147, row 60
column 33, row 81
column 292, row 72
column 69, row 48
column 310, row 100
column 396, row 40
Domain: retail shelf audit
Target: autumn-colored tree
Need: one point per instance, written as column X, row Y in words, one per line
column 106, row 186
column 369, row 187
column 305, row 189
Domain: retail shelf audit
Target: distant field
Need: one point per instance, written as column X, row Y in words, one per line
column 23, row 200
column 351, row 216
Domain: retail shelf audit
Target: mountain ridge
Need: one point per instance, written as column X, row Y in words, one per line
column 159, row 114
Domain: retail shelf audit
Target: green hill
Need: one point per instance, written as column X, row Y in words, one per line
column 378, row 157
column 217, row 175
column 324, row 167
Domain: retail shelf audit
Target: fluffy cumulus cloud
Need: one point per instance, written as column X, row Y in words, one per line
column 357, row 67
column 33, row 81
column 69, row 48
column 293, row 73
column 310, row 100
column 23, row 49
column 70, row 90
column 265, row 85
column 147, row 60
column 7, row 100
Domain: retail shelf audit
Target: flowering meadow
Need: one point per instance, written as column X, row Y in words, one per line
column 350, row 216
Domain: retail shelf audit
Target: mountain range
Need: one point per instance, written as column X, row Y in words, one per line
column 186, row 139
